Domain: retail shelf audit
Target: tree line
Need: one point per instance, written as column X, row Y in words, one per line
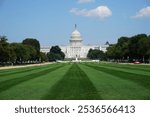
column 127, row 49
column 130, row 49
column 28, row 51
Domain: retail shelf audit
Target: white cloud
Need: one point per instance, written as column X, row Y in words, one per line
column 100, row 12
column 145, row 12
column 85, row 1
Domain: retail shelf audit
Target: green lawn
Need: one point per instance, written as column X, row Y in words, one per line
column 89, row 81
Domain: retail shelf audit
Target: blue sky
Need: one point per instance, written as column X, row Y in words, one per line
column 52, row 21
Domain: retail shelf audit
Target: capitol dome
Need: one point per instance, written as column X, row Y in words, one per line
column 76, row 34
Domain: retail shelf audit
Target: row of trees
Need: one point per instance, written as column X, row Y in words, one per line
column 127, row 49
column 18, row 53
column 135, row 48
column 28, row 51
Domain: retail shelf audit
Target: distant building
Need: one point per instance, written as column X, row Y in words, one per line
column 76, row 49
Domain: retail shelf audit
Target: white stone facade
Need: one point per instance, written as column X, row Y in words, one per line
column 76, row 49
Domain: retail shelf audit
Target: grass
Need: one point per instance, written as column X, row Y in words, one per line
column 74, row 81
column 75, row 84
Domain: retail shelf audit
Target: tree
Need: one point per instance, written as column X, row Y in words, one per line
column 12, row 54
column 111, row 51
column 122, row 51
column 51, row 57
column 4, row 51
column 130, row 48
column 32, row 53
column 135, row 47
column 43, row 57
column 96, row 54
column 55, row 49
column 22, row 52
column 34, row 43
column 25, row 52
column 3, row 40
column 55, row 54
column 143, row 48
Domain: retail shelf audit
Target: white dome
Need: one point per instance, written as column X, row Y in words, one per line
column 76, row 35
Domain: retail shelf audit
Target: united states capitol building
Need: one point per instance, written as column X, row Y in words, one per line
column 76, row 49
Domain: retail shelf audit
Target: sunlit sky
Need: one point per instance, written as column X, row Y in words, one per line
column 52, row 21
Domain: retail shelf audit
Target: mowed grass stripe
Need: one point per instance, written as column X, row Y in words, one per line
column 4, row 85
column 75, row 84
column 142, row 80
column 36, row 88
column 23, row 74
column 113, row 87
column 129, row 70
column 131, row 67
column 139, row 66
column 20, row 70
column 4, row 71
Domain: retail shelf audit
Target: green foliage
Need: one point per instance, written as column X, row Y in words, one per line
column 6, row 52
column 134, row 48
column 96, row 54
column 32, row 53
column 111, row 51
column 12, row 54
column 55, row 49
column 26, row 52
column 43, row 57
column 55, row 54
column 22, row 52
column 34, row 43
